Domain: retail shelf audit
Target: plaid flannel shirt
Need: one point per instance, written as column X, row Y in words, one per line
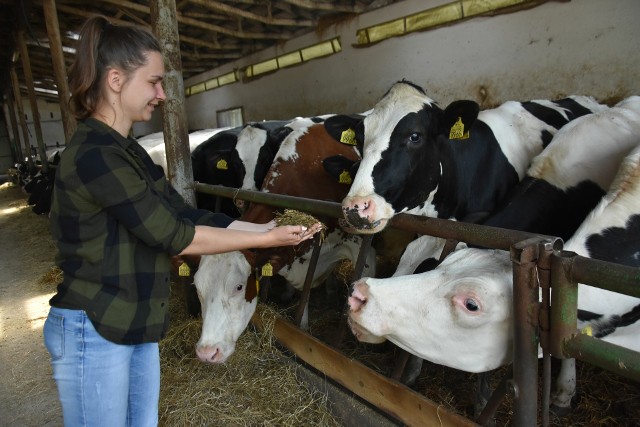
column 116, row 221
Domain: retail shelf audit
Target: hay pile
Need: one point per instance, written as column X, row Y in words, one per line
column 293, row 217
column 257, row 385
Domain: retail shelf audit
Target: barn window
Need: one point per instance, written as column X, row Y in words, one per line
column 319, row 50
column 213, row 83
column 231, row 117
column 445, row 14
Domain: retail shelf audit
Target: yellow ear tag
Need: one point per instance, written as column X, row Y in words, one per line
column 588, row 330
column 345, row 178
column 267, row 270
column 258, row 286
column 222, row 165
column 457, row 130
column 184, row 270
column 348, row 137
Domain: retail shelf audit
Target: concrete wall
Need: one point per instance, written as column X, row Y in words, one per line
column 559, row 48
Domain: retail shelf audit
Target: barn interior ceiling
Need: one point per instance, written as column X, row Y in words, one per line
column 212, row 32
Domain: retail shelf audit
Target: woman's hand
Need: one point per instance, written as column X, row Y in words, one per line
column 286, row 235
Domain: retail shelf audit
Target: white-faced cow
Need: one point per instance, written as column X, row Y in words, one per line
column 454, row 163
column 225, row 283
column 460, row 314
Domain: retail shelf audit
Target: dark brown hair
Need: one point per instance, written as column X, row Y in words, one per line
column 103, row 46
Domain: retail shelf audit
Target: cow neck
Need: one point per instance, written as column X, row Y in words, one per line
column 481, row 176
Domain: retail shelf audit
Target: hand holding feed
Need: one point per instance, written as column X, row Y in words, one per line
column 294, row 234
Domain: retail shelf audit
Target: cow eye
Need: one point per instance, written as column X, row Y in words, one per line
column 239, row 287
column 415, row 137
column 471, row 305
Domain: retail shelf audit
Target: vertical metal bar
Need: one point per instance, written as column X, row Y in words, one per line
column 176, row 135
column 306, row 290
column 564, row 309
column 524, row 256
column 496, row 398
column 544, row 267
column 365, row 247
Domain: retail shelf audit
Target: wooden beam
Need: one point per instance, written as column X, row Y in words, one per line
column 174, row 112
column 28, row 77
column 234, row 11
column 392, row 397
column 59, row 68
column 17, row 96
column 321, row 5
column 14, row 126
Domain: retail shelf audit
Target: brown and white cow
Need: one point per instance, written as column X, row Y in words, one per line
column 222, row 280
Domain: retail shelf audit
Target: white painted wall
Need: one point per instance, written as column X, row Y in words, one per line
column 559, row 48
column 556, row 49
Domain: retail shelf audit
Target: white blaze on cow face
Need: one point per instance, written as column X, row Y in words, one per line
column 402, row 99
column 250, row 141
column 458, row 315
column 221, row 281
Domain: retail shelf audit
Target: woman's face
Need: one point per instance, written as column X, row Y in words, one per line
column 143, row 91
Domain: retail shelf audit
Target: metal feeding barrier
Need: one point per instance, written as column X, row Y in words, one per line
column 542, row 272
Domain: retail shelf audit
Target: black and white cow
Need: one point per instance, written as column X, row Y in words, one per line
column 224, row 281
column 456, row 163
column 460, row 314
column 567, row 180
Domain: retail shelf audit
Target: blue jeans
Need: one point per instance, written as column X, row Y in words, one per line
column 101, row 383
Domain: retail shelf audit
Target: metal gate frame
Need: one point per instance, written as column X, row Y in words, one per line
column 541, row 271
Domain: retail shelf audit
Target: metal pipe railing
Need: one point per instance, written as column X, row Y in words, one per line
column 532, row 254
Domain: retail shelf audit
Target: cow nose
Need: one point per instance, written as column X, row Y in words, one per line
column 358, row 296
column 360, row 205
column 209, row 354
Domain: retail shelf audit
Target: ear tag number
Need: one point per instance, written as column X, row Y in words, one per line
column 222, row 165
column 457, row 130
column 345, row 178
column 348, row 137
column 184, row 270
column 267, row 270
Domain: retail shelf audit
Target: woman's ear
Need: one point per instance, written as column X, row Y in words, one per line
column 115, row 79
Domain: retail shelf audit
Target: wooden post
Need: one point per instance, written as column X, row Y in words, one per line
column 23, row 120
column 14, row 128
column 174, row 117
column 28, row 77
column 59, row 68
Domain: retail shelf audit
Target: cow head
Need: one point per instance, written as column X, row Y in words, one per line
column 223, row 282
column 404, row 156
column 458, row 315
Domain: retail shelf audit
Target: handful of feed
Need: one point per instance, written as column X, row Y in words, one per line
column 293, row 217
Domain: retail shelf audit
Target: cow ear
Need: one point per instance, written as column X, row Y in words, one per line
column 458, row 118
column 344, row 128
column 340, row 168
column 277, row 135
column 252, row 288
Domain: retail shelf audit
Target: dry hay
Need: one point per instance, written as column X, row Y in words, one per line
column 51, row 278
column 257, row 385
column 293, row 217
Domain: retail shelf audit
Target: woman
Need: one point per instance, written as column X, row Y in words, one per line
column 117, row 221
